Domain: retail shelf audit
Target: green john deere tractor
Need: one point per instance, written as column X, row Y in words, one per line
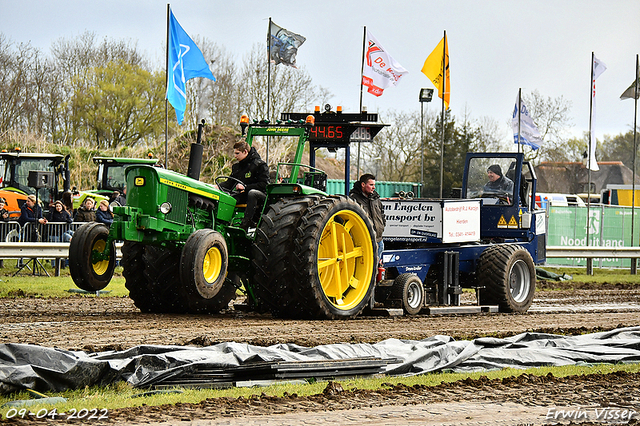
column 310, row 256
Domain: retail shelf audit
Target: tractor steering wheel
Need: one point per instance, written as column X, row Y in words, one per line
column 502, row 198
column 227, row 190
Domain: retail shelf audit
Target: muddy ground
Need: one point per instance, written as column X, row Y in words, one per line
column 104, row 323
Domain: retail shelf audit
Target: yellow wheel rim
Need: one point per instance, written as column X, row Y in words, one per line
column 212, row 265
column 345, row 260
column 100, row 267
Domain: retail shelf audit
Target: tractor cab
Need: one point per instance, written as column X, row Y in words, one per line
column 110, row 177
column 23, row 174
column 507, row 185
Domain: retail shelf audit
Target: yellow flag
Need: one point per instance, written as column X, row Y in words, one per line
column 432, row 68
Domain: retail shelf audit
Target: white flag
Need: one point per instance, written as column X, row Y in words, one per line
column 529, row 133
column 380, row 69
column 282, row 45
column 598, row 67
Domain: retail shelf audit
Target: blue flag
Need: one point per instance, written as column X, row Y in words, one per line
column 525, row 130
column 186, row 61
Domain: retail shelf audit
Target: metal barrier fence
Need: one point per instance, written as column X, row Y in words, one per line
column 51, row 232
column 35, row 241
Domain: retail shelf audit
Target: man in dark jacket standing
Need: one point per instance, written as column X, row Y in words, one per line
column 253, row 172
column 364, row 193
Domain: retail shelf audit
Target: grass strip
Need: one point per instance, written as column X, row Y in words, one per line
column 121, row 395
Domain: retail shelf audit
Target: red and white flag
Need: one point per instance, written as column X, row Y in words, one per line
column 380, row 69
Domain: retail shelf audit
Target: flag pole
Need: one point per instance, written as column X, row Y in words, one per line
column 166, row 100
column 364, row 42
column 444, row 88
column 519, row 115
column 268, row 83
column 635, row 131
column 591, row 83
column 634, row 262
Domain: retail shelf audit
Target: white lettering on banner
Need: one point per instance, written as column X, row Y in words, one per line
column 582, row 242
column 408, row 206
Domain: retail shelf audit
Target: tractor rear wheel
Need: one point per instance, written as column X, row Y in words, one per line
column 335, row 257
column 162, row 275
column 90, row 269
column 133, row 270
column 409, row 289
column 508, row 276
column 165, row 291
column 272, row 254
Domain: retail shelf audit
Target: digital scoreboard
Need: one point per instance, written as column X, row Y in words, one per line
column 336, row 133
column 337, row 130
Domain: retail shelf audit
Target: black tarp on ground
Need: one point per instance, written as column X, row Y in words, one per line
column 47, row 369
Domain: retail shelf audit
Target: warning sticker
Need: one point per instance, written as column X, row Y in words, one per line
column 513, row 223
column 502, row 223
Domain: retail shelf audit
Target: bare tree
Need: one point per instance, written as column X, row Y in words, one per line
column 18, row 99
column 291, row 89
column 489, row 138
column 551, row 115
column 394, row 154
column 73, row 60
column 216, row 102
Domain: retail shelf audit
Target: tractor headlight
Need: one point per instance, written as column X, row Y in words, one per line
column 165, row 207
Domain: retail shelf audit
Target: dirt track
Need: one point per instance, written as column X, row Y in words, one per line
column 102, row 323
column 96, row 324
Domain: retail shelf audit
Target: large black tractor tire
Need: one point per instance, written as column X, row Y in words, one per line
column 135, row 280
column 410, row 291
column 162, row 274
column 508, row 275
column 88, row 241
column 272, row 254
column 152, row 277
column 335, row 260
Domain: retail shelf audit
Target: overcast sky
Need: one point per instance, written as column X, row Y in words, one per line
column 495, row 46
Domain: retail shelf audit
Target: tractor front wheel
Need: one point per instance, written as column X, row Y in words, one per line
column 204, row 263
column 92, row 257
